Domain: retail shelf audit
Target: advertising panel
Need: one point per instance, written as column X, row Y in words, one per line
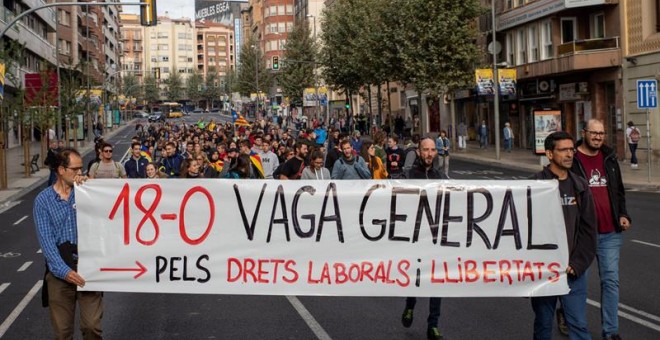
column 545, row 123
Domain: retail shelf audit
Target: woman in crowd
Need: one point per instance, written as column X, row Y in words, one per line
column 240, row 169
column 191, row 169
column 153, row 173
column 376, row 166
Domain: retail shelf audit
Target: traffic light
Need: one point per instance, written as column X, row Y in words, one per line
column 148, row 16
column 157, row 72
column 276, row 63
column 348, row 104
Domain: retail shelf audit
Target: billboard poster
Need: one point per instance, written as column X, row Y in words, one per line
column 507, row 81
column 484, row 78
column 545, row 123
column 222, row 12
column 309, row 96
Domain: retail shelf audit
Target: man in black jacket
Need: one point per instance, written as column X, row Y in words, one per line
column 580, row 220
column 597, row 163
column 423, row 169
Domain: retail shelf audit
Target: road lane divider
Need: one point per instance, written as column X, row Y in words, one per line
column 20, row 220
column 4, row 286
column 19, row 308
column 633, row 318
column 320, row 333
column 24, row 266
column 646, row 243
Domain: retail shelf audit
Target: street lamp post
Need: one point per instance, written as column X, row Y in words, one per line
column 316, row 81
column 496, row 90
column 256, row 75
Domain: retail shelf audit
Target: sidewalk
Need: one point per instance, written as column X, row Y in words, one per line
column 523, row 159
column 18, row 185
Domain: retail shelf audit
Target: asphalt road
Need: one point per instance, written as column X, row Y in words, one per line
column 177, row 316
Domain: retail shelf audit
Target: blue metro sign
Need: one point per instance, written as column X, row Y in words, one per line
column 647, row 94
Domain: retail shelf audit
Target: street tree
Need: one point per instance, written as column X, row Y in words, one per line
column 297, row 64
column 151, row 90
column 174, row 87
column 252, row 72
column 194, row 87
column 131, row 88
column 340, row 24
column 212, row 87
column 436, row 43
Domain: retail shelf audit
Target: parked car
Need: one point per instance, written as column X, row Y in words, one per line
column 141, row 114
column 198, row 110
column 157, row 116
column 215, row 110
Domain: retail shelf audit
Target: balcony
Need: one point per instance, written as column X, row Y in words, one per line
column 588, row 46
column 575, row 56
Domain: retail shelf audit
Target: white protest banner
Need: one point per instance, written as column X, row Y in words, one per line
column 348, row 238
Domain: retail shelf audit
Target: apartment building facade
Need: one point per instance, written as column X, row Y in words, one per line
column 168, row 48
column 567, row 55
column 641, row 49
column 215, row 48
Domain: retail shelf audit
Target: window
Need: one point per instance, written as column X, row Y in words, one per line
column 533, row 40
column 280, row 10
column 165, row 69
column 181, row 70
column 567, row 30
column 509, row 4
column 281, row 27
column 162, row 35
column 546, row 40
column 163, row 47
column 273, row 10
column 181, row 47
column 510, row 49
column 597, row 26
column 289, row 26
column 289, row 9
column 164, row 58
column 521, row 47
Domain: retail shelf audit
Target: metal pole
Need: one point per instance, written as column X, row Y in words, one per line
column 648, row 143
column 316, row 79
column 496, row 90
column 256, row 72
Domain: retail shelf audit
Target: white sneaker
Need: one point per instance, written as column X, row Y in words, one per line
column 634, row 166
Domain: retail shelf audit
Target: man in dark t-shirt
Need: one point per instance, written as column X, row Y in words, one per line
column 292, row 168
column 395, row 158
column 580, row 222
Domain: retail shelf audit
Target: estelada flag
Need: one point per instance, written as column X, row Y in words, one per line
column 2, row 81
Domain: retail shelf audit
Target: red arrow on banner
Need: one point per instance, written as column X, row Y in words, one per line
column 141, row 270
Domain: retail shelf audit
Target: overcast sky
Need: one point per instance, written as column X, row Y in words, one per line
column 176, row 8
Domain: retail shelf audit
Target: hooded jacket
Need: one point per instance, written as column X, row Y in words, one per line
column 582, row 233
column 615, row 183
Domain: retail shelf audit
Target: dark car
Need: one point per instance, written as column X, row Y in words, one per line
column 157, row 116
column 215, row 110
column 198, row 110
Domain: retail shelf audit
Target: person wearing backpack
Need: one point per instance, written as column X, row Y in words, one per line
column 106, row 167
column 633, row 135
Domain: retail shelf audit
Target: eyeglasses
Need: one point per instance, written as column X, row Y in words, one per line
column 108, row 150
column 596, row 133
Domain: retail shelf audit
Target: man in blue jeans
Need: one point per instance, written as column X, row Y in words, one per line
column 424, row 169
column 598, row 164
column 580, row 221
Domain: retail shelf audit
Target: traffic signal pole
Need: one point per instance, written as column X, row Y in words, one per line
column 60, row 4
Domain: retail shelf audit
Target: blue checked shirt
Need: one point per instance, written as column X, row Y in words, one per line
column 55, row 221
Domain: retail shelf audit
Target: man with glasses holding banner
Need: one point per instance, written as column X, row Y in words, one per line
column 55, row 220
column 598, row 164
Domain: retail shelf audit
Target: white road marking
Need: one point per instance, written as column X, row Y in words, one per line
column 646, row 243
column 4, row 286
column 640, row 312
column 308, row 318
column 39, row 251
column 19, row 308
column 21, row 220
column 24, row 266
column 631, row 317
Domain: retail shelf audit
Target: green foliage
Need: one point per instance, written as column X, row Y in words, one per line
column 194, row 87
column 252, row 71
column 131, row 87
column 151, row 89
column 297, row 65
column 430, row 44
column 173, row 87
column 212, row 87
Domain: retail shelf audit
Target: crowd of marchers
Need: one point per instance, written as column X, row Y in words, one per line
column 588, row 176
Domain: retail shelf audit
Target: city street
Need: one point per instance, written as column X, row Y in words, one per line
column 175, row 316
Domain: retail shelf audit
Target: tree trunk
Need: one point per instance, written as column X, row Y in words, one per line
column 379, row 99
column 44, row 146
column 419, row 113
column 26, row 150
column 3, row 162
column 370, row 117
column 389, row 106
